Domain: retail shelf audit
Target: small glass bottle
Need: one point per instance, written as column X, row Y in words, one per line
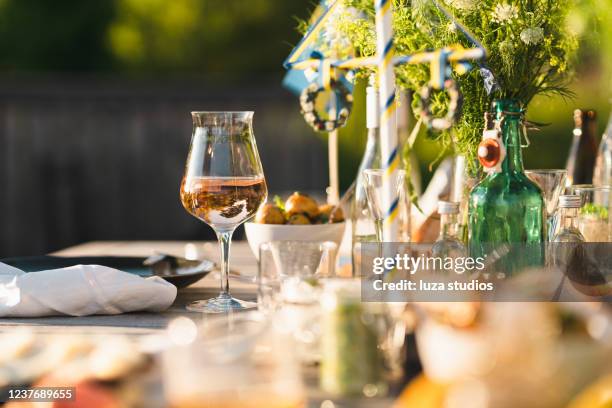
column 565, row 246
column 569, row 232
column 602, row 174
column 362, row 223
column 448, row 243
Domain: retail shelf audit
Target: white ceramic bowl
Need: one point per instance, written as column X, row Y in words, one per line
column 258, row 234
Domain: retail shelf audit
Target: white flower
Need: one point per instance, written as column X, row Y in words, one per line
column 451, row 27
column 505, row 12
column 532, row 35
column 333, row 35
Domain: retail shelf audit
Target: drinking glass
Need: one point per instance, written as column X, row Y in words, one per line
column 290, row 287
column 361, row 342
column 223, row 186
column 289, row 270
column 595, row 215
column 377, row 183
column 234, row 360
column 552, row 184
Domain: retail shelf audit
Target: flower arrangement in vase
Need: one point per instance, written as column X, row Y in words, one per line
column 529, row 53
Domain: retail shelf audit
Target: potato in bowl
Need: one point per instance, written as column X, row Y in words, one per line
column 298, row 209
column 299, row 218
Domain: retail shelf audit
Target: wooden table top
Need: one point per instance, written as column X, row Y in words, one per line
column 137, row 324
column 242, row 259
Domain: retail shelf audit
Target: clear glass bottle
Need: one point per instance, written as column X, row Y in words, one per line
column 448, row 243
column 410, row 164
column 362, row 223
column 569, row 206
column 602, row 174
column 506, row 207
column 565, row 246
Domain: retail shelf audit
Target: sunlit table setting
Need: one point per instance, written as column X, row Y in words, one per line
column 142, row 323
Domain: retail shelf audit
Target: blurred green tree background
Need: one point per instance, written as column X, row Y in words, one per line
column 237, row 42
column 227, row 40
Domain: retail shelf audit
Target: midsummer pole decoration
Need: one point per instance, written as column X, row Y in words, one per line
column 388, row 120
column 338, row 106
column 336, row 74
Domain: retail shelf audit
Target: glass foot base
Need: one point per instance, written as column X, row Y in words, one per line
column 220, row 304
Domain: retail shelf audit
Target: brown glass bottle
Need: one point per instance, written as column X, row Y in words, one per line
column 581, row 159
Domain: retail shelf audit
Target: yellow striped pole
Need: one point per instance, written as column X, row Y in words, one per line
column 388, row 123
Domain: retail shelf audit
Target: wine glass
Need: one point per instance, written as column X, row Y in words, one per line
column 223, row 186
column 552, row 184
column 377, row 182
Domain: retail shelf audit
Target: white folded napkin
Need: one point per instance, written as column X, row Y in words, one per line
column 80, row 290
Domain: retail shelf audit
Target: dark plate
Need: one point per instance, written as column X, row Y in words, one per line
column 187, row 272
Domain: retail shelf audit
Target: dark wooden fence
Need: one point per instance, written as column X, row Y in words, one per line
column 88, row 160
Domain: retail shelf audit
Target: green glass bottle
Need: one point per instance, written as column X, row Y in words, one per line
column 506, row 207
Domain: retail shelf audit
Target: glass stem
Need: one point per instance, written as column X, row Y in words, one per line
column 379, row 230
column 378, row 224
column 551, row 226
column 225, row 240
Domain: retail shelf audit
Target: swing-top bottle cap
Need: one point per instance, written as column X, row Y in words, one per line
column 448, row 207
column 570, row 201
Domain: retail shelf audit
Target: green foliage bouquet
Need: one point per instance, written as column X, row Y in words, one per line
column 530, row 51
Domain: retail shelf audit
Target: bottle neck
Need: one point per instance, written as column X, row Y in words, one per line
column 508, row 113
column 370, row 160
column 568, row 218
column 448, row 226
column 370, row 156
column 372, row 135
